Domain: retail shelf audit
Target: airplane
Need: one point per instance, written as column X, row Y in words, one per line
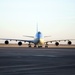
column 38, row 40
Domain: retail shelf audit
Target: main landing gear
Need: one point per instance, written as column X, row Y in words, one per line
column 29, row 45
column 35, row 45
column 46, row 45
column 39, row 46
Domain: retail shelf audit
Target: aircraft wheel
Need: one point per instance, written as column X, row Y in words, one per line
column 39, row 46
column 35, row 46
column 46, row 46
column 29, row 45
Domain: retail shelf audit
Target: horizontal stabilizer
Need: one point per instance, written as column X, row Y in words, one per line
column 46, row 36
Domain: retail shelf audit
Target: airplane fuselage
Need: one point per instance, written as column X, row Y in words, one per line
column 39, row 39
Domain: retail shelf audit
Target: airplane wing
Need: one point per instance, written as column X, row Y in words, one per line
column 59, row 40
column 31, row 41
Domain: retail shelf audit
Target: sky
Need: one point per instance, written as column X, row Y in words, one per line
column 54, row 17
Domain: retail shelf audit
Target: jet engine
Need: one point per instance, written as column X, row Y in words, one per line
column 69, row 42
column 6, row 42
column 19, row 43
column 56, row 43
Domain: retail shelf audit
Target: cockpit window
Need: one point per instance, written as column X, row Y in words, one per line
column 39, row 32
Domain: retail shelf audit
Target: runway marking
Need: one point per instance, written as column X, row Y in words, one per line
column 32, row 67
column 45, row 55
column 17, row 66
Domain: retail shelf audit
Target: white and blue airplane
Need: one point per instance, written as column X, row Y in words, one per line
column 38, row 40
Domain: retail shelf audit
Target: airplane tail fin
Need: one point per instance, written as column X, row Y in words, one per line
column 37, row 28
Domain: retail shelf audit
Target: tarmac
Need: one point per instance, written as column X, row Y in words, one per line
column 37, row 61
column 50, row 45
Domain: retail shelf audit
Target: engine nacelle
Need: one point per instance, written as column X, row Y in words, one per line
column 69, row 42
column 56, row 43
column 6, row 42
column 19, row 43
